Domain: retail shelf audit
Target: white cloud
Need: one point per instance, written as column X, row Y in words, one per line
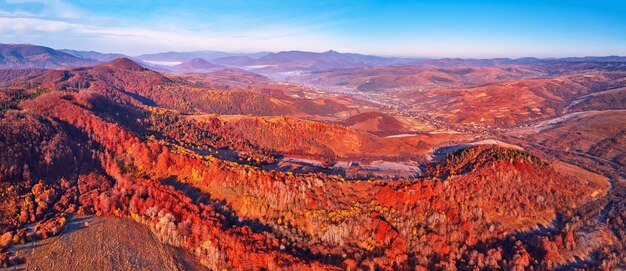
column 60, row 24
column 139, row 40
column 33, row 24
column 18, row 13
column 53, row 8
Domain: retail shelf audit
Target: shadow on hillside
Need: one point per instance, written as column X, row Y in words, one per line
column 231, row 219
column 76, row 223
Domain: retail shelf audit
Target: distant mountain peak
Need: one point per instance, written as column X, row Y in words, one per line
column 125, row 64
column 196, row 65
column 199, row 62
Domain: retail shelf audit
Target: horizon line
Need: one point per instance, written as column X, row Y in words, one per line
column 326, row 51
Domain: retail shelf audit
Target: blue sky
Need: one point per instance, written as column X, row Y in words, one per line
column 395, row 28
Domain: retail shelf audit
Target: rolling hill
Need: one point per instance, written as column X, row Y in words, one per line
column 24, row 56
column 534, row 100
column 378, row 79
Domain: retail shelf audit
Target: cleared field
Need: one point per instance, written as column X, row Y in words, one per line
column 104, row 243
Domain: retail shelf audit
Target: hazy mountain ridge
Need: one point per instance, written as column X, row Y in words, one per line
column 31, row 56
column 187, row 56
column 23, row 56
column 102, row 57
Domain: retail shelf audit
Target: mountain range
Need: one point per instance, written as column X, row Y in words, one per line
column 351, row 162
column 33, row 56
